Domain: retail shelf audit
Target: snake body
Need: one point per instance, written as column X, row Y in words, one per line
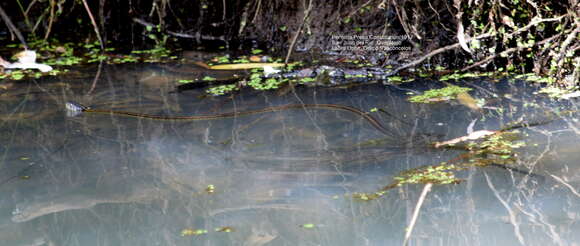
column 76, row 107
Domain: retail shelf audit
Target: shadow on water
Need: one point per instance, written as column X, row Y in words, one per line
column 278, row 178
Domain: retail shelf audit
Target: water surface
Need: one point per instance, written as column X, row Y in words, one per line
column 101, row 179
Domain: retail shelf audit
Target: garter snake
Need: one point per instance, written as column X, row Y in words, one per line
column 76, row 107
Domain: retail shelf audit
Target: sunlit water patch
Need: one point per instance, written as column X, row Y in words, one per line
column 287, row 177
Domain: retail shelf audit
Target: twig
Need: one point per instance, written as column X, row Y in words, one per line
column 50, row 20
column 291, row 48
column 179, row 34
column 437, row 51
column 39, row 20
column 26, row 20
column 426, row 190
column 224, row 10
column 102, row 15
column 533, row 23
column 359, row 8
column 457, row 45
column 29, row 7
column 12, row 27
column 563, row 49
column 96, row 28
column 508, row 51
column 257, row 11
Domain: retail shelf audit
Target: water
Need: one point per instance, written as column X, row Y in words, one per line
column 99, row 179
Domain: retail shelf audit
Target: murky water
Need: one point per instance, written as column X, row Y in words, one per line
column 265, row 179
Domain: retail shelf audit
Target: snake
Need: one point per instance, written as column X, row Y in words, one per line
column 79, row 108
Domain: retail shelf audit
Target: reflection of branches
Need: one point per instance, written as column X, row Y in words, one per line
column 560, row 180
column 541, row 156
column 512, row 215
column 409, row 229
column 97, row 76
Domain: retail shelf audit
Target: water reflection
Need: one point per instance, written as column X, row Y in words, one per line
column 114, row 180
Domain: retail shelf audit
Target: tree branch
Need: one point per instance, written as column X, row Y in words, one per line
column 12, row 28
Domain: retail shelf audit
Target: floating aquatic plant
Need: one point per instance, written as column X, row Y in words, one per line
column 437, row 95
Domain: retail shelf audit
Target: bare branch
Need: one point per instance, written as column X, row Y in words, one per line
column 96, row 28
column 306, row 15
column 482, row 36
column 12, row 27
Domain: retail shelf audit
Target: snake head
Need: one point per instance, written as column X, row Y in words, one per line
column 74, row 108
